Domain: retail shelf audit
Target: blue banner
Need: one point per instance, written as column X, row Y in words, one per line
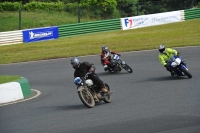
column 40, row 34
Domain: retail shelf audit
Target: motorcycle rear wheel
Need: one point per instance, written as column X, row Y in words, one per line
column 128, row 68
column 186, row 72
column 107, row 97
column 86, row 98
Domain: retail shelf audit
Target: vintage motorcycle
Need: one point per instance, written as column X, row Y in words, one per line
column 116, row 64
column 87, row 89
column 178, row 66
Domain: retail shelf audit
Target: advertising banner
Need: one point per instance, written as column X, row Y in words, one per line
column 150, row 20
column 135, row 22
column 40, row 34
column 164, row 18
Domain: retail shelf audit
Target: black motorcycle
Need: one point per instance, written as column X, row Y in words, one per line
column 87, row 89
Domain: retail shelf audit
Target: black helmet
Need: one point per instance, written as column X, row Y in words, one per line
column 161, row 48
column 104, row 48
column 75, row 62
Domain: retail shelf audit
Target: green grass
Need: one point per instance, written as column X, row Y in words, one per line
column 9, row 21
column 6, row 79
column 171, row 35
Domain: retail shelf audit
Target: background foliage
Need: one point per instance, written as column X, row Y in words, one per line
column 103, row 8
column 44, row 13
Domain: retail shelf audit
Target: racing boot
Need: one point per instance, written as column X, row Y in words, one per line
column 104, row 90
column 172, row 73
column 105, row 68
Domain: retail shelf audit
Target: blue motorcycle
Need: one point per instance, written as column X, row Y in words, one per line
column 178, row 66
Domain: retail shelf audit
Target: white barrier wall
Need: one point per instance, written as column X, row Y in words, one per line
column 150, row 20
column 10, row 92
column 11, row 37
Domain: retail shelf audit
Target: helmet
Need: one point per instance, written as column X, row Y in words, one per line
column 161, row 48
column 104, row 48
column 75, row 62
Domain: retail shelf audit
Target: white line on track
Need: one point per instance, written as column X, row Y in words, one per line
column 38, row 93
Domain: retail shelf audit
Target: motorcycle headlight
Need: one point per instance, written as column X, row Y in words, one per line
column 77, row 80
column 173, row 64
column 116, row 57
column 89, row 82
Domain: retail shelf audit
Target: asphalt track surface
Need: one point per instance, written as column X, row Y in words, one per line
column 147, row 101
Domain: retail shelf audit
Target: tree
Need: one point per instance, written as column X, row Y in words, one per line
column 127, row 8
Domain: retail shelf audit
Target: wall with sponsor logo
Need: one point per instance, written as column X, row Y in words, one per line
column 151, row 20
column 40, row 34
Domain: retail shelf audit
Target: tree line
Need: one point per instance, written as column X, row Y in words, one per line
column 103, row 8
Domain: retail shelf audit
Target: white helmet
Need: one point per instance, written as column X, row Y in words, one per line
column 161, row 48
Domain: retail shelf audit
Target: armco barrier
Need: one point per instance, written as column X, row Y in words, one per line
column 11, row 37
column 192, row 13
column 182, row 15
column 14, row 91
column 89, row 27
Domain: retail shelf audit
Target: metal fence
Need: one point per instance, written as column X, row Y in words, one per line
column 89, row 27
column 192, row 13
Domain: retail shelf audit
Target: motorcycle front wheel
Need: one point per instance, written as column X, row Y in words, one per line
column 186, row 72
column 86, row 98
column 128, row 68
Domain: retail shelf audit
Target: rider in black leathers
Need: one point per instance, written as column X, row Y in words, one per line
column 82, row 68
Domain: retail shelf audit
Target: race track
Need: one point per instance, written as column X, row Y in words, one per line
column 148, row 100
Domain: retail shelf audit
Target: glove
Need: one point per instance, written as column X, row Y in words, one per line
column 167, row 66
column 119, row 54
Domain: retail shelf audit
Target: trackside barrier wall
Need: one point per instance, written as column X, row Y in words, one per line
column 89, row 27
column 11, row 37
column 182, row 15
column 192, row 13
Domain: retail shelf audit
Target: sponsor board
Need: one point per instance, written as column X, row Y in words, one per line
column 150, row 20
column 40, row 34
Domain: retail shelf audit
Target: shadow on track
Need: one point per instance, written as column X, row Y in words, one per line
column 109, row 73
column 168, row 78
column 74, row 107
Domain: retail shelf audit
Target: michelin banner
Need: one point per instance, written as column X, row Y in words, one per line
column 150, row 20
column 40, row 34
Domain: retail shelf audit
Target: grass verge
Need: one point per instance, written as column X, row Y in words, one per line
column 6, row 79
column 10, row 20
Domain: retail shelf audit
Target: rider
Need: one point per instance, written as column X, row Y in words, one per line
column 82, row 68
column 164, row 55
column 106, row 57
